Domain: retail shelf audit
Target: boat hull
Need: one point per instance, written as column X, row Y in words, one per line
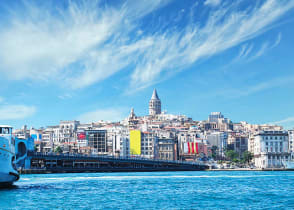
column 8, row 174
column 7, row 179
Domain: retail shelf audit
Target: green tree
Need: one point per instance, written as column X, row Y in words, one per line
column 58, row 149
column 213, row 151
column 247, row 156
column 231, row 154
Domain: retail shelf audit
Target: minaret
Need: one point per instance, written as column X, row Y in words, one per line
column 154, row 104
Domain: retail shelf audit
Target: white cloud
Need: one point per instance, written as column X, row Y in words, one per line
column 65, row 96
column 75, row 43
column 287, row 120
column 287, row 123
column 1, row 99
column 265, row 47
column 212, row 3
column 175, row 51
column 15, row 112
column 111, row 114
column 86, row 42
column 255, row 88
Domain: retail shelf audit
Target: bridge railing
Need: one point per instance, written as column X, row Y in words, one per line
column 72, row 155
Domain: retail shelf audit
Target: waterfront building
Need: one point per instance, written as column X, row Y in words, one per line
column 166, row 149
column 97, row 141
column 220, row 140
column 271, row 149
column 125, row 146
column 117, row 135
column 251, row 143
column 147, row 144
column 67, row 130
column 291, row 141
column 47, row 140
column 154, row 104
column 238, row 142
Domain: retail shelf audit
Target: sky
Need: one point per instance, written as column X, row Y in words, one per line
column 94, row 60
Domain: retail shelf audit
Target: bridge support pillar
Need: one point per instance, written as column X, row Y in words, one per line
column 27, row 163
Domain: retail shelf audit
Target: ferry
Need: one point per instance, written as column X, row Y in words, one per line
column 8, row 171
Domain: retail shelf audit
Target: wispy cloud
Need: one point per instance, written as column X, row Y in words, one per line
column 212, row 3
column 15, row 112
column 255, row 88
column 287, row 120
column 65, row 96
column 1, row 99
column 287, row 123
column 265, row 47
column 112, row 114
column 173, row 52
column 84, row 43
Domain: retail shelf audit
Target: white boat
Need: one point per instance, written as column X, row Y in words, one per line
column 8, row 172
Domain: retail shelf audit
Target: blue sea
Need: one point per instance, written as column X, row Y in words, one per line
column 152, row 190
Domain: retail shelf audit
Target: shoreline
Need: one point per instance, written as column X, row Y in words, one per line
column 255, row 169
column 59, row 171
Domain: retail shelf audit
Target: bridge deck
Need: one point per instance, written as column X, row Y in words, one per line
column 78, row 163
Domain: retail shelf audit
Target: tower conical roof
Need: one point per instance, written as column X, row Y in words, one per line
column 154, row 95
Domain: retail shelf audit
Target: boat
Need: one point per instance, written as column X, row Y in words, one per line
column 8, row 171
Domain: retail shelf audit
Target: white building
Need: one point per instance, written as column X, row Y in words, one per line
column 148, row 141
column 215, row 116
column 47, row 140
column 67, row 131
column 271, row 149
column 291, row 141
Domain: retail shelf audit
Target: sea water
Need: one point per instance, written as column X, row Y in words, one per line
column 153, row 190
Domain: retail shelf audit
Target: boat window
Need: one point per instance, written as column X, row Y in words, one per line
column 13, row 141
column 5, row 130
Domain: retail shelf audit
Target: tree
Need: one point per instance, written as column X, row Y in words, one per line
column 58, row 150
column 213, row 151
column 231, row 154
column 247, row 156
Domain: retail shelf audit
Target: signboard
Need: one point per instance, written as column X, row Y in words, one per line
column 135, row 142
column 81, row 136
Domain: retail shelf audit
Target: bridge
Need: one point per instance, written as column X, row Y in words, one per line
column 70, row 163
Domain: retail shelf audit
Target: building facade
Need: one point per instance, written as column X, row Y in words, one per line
column 97, row 141
column 271, row 149
column 165, row 149
column 238, row 143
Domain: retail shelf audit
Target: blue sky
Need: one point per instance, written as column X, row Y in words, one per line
column 94, row 60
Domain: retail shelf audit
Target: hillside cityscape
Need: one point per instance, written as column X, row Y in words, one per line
column 164, row 136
